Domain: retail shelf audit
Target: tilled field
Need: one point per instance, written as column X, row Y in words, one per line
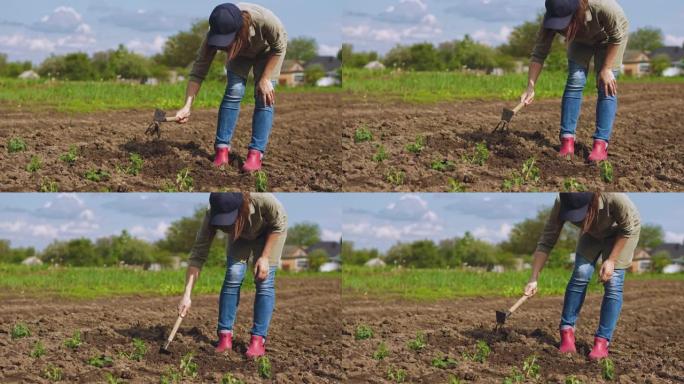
column 303, row 153
column 646, row 151
column 647, row 345
column 303, row 344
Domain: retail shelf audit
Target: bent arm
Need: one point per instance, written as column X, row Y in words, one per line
column 538, row 263
column 271, row 239
column 611, row 56
column 191, row 276
column 533, row 73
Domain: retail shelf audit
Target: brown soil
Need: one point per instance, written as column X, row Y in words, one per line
column 303, row 153
column 303, row 342
column 646, row 150
column 647, row 345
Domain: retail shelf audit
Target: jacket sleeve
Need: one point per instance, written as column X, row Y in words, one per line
column 614, row 21
column 275, row 215
column 552, row 230
column 543, row 45
column 276, row 36
column 626, row 215
column 205, row 56
column 200, row 250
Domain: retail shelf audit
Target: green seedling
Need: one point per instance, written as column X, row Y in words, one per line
column 111, row 379
column 97, row 175
column 38, row 350
column 48, row 185
column 572, row 185
column 20, row 330
column 443, row 362
column 481, row 354
column 418, row 343
column 363, row 332
column 442, row 165
column 608, row 369
column 606, row 169
column 74, row 342
column 529, row 174
column 417, row 146
column 71, row 156
column 454, row 380
column 530, row 368
column 573, row 380
column 171, row 377
column 139, row 351
column 455, row 186
column 260, row 181
column 188, row 367
column 396, row 375
column 480, row 155
column 515, row 377
column 230, row 379
column 396, row 177
column 136, row 164
column 381, row 352
column 184, row 181
column 100, row 361
column 34, row 165
column 16, row 144
column 362, row 134
column 264, row 367
column 53, row 373
column 381, row 155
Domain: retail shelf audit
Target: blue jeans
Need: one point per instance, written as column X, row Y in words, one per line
column 264, row 300
column 606, row 106
column 229, row 112
column 577, row 290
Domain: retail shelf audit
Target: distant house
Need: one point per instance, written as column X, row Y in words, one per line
column 294, row 259
column 676, row 55
column 675, row 251
column 334, row 251
column 375, row 65
column 330, row 64
column 31, row 261
column 29, row 75
column 292, row 74
column 641, row 262
column 636, row 63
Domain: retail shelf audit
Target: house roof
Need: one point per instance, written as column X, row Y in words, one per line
column 293, row 252
column 329, row 63
column 634, row 56
column 675, row 53
column 675, row 250
column 332, row 248
column 290, row 66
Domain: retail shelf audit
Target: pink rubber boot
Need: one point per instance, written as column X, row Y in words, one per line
column 567, row 149
column 253, row 162
column 600, row 350
column 225, row 342
column 567, row 340
column 222, row 156
column 257, row 347
column 599, row 152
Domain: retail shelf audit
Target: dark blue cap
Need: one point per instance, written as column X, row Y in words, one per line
column 574, row 205
column 559, row 13
column 224, row 208
column 224, row 23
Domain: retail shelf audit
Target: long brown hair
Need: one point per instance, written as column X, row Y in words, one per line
column 243, row 215
column 241, row 38
column 592, row 212
column 577, row 21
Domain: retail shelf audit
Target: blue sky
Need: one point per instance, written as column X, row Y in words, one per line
column 380, row 220
column 32, row 30
column 381, row 24
column 33, row 219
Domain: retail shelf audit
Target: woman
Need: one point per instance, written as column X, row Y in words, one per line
column 610, row 227
column 256, row 226
column 253, row 39
column 595, row 29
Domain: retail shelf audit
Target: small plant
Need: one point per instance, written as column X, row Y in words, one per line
column 479, row 156
column 396, row 177
column 188, row 367
column 381, row 155
column 34, row 165
column 260, row 181
column 606, row 169
column 418, row 343
column 171, row 377
column 71, row 156
column 417, row 146
column 100, row 361
column 16, row 144
column 362, row 134
column 111, row 379
column 572, row 380
column 455, row 186
column 515, row 377
column 454, row 380
column 20, row 330
column 443, row 362
column 48, row 185
column 97, row 175
column 572, row 185
column 184, row 180
column 53, row 373
column 264, row 367
column 230, row 379
column 363, row 332
column 442, row 165
column 529, row 174
column 136, row 164
column 74, row 342
column 139, row 351
column 38, row 350
column 481, row 354
column 381, row 352
column 396, row 375
column 607, row 369
column 530, row 368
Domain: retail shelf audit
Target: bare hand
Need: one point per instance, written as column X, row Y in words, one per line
column 608, row 82
column 528, row 97
column 607, row 270
column 183, row 115
column 531, row 288
column 266, row 91
column 261, row 269
column 184, row 306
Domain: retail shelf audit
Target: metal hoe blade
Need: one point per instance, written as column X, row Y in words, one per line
column 506, row 118
column 154, row 129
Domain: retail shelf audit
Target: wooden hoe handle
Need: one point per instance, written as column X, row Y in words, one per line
column 518, row 108
column 518, row 303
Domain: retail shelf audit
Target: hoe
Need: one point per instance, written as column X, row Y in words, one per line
column 501, row 316
column 154, row 129
column 506, row 117
column 164, row 349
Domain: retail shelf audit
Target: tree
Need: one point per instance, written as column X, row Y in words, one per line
column 659, row 64
column 313, row 73
column 651, row 236
column 316, row 259
column 75, row 253
column 524, row 236
column 659, row 261
column 122, row 63
column 419, row 254
column 302, row 49
column 523, row 38
column 180, row 50
column 180, row 237
column 351, row 256
column 352, row 59
column 646, row 39
column 304, row 234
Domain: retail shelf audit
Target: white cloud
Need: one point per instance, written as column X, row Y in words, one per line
column 674, row 237
column 493, row 38
column 23, row 228
column 409, row 207
column 495, row 235
column 495, row 10
column 63, row 20
column 330, row 235
column 406, row 11
column 20, row 41
column 78, row 228
column 328, row 50
column 391, row 232
column 87, row 215
column 147, row 47
column 674, row 40
column 149, row 233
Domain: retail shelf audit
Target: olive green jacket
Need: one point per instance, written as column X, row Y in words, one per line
column 267, row 37
column 617, row 215
column 266, row 216
column 606, row 24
